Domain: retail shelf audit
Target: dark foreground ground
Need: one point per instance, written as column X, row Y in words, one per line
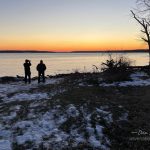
column 74, row 112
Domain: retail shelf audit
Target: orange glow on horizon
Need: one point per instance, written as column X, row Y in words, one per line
column 63, row 26
column 66, row 46
column 66, row 43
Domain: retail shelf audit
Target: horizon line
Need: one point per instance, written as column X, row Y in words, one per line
column 74, row 51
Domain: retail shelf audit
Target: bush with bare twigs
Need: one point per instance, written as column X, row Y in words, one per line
column 116, row 69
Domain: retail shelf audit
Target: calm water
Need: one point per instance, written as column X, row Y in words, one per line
column 12, row 64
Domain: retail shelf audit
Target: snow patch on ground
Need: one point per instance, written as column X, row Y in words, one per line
column 72, row 111
column 5, row 145
column 56, row 126
column 28, row 96
column 136, row 81
column 21, row 91
column 10, row 117
column 18, row 87
column 137, row 75
column 49, row 129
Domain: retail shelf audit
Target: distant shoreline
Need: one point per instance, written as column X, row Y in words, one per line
column 103, row 51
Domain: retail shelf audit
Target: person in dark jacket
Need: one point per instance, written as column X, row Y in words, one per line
column 27, row 71
column 41, row 67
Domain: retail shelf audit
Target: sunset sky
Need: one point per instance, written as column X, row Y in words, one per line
column 68, row 25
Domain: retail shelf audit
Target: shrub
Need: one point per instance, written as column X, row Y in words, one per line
column 116, row 65
column 116, row 69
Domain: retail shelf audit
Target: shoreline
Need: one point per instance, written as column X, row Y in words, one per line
column 136, row 78
column 21, row 78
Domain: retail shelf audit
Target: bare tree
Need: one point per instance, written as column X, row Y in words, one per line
column 142, row 16
column 143, row 5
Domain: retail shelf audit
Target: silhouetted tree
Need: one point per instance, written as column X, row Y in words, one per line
column 144, row 7
column 142, row 16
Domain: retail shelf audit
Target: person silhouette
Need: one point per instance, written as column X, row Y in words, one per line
column 41, row 67
column 27, row 71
